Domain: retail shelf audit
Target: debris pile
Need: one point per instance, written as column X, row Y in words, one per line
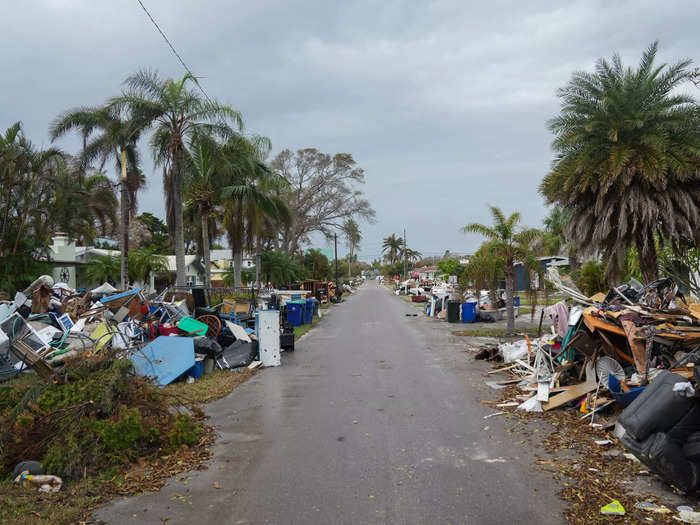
column 627, row 357
column 80, row 370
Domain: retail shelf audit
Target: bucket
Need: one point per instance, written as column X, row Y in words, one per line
column 198, row 369
column 208, row 366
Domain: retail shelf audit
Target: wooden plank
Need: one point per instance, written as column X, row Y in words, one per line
column 569, row 395
column 502, row 369
column 637, row 343
column 593, row 323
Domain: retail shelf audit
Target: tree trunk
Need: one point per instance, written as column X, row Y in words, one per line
column 257, row 263
column 124, row 227
column 237, row 263
column 176, row 181
column 205, row 249
column 510, row 313
column 648, row 262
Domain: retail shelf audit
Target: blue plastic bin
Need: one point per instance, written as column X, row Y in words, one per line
column 309, row 311
column 294, row 314
column 197, row 370
column 468, row 312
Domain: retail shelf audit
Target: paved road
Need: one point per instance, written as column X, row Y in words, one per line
column 374, row 419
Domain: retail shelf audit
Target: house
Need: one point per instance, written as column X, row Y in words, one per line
column 68, row 262
column 522, row 279
column 426, row 273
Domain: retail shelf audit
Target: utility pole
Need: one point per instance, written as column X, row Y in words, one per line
column 405, row 256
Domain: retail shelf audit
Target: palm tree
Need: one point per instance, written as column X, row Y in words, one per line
column 510, row 243
column 202, row 187
column 412, row 255
column 626, row 164
column 26, row 175
column 144, row 262
column 83, row 205
column 176, row 112
column 317, row 263
column 483, row 271
column 392, row 247
column 108, row 134
column 353, row 238
column 103, row 268
column 252, row 197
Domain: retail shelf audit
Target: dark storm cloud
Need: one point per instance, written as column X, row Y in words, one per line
column 443, row 103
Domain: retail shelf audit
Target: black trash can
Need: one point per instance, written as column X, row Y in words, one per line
column 453, row 311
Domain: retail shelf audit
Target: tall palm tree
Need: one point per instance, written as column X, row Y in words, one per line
column 84, row 205
column 627, row 146
column 510, row 243
column 252, row 197
column 176, row 111
column 351, row 230
column 202, row 187
column 392, row 247
column 109, row 134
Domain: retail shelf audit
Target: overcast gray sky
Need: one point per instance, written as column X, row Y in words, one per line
column 443, row 103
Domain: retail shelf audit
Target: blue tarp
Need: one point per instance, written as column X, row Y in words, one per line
column 165, row 358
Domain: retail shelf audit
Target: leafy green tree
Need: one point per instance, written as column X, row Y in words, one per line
column 483, row 272
column 627, row 145
column 103, row 269
column 84, row 206
column 160, row 240
column 279, row 268
column 27, row 194
column 450, row 267
column 108, row 134
column 175, row 112
column 144, row 262
column 591, row 278
column 317, row 264
column 509, row 243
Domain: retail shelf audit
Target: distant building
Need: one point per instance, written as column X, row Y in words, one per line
column 426, row 273
column 69, row 260
column 522, row 279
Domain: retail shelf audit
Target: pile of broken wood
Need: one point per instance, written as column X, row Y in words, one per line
column 606, row 352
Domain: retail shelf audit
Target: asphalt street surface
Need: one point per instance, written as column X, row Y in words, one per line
column 376, row 418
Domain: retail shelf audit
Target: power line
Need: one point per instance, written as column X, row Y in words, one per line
column 172, row 48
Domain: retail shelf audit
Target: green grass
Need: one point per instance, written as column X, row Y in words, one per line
column 492, row 332
column 302, row 329
column 208, row 388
